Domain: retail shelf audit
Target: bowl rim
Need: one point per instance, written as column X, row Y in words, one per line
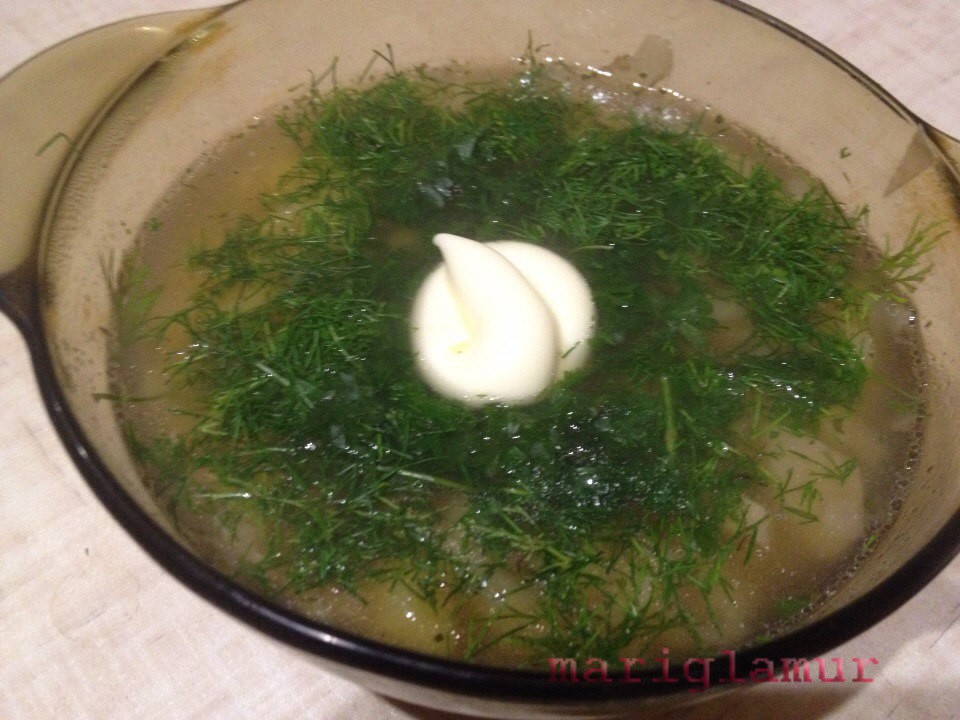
column 21, row 301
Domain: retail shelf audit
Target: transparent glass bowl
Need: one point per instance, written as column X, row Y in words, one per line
column 127, row 109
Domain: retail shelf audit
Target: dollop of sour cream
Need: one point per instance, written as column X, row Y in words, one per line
column 500, row 322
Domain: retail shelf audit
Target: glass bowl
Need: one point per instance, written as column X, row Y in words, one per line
column 139, row 103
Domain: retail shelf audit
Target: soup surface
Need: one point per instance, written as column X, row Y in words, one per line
column 737, row 440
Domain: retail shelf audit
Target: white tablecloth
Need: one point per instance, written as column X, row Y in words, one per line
column 91, row 628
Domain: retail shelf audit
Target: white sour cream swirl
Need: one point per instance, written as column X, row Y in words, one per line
column 500, row 322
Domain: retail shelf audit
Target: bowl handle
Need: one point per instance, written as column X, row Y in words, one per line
column 47, row 107
column 948, row 145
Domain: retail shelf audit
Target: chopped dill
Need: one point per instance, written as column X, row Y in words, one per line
column 615, row 496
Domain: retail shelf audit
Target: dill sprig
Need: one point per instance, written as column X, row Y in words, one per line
column 619, row 493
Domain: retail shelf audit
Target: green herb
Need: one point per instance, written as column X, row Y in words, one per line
column 869, row 542
column 790, row 606
column 616, row 496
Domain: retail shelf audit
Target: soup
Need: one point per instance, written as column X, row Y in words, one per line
column 738, row 438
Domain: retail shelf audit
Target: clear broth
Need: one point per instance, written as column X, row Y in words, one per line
column 793, row 563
